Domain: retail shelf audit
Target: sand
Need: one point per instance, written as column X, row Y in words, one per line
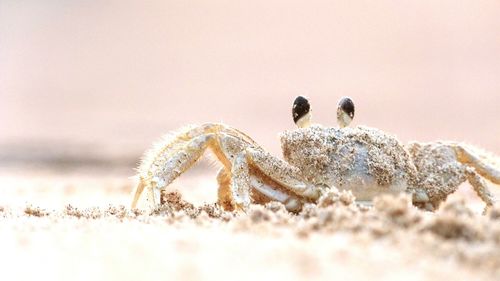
column 61, row 231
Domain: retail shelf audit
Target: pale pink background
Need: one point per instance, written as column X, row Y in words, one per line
column 112, row 76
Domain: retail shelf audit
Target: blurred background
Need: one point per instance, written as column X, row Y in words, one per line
column 94, row 83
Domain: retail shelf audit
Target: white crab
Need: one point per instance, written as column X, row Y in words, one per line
column 364, row 160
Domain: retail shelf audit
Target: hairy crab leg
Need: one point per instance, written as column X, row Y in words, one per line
column 479, row 185
column 178, row 163
column 240, row 184
column 165, row 162
column 467, row 156
column 175, row 148
column 160, row 176
column 445, row 165
column 224, row 191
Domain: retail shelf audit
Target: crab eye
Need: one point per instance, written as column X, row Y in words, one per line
column 345, row 112
column 301, row 112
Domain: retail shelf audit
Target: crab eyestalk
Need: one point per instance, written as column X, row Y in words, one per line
column 301, row 112
column 345, row 112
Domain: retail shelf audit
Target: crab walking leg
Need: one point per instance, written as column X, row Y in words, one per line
column 466, row 156
column 175, row 147
column 237, row 190
column 178, row 163
column 256, row 183
column 224, row 191
column 154, row 196
column 224, row 146
column 291, row 203
column 171, row 143
column 235, row 150
column 480, row 187
column 282, row 173
column 240, row 184
column 242, row 160
column 138, row 191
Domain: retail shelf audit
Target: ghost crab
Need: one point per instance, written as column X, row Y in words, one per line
column 364, row 160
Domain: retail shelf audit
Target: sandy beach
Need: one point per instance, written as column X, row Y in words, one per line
column 61, row 232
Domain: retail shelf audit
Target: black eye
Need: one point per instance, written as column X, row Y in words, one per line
column 347, row 106
column 345, row 112
column 300, row 108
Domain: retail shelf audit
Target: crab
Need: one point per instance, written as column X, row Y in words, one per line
column 365, row 161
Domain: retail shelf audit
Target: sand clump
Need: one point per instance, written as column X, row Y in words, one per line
column 172, row 204
column 35, row 211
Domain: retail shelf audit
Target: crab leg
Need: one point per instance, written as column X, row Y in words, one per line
column 251, row 165
column 243, row 181
column 160, row 176
column 138, row 191
column 234, row 150
column 480, row 187
column 224, row 191
column 270, row 176
column 466, row 156
column 292, row 203
column 265, row 190
column 178, row 163
column 176, row 153
column 240, row 184
column 164, row 163
column 282, row 173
